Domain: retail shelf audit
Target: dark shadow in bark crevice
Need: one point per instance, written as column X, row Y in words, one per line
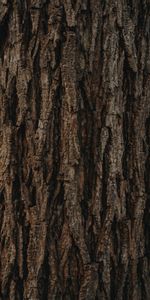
column 16, row 190
column 147, row 190
column 86, row 134
column 2, row 207
column 4, row 31
column 75, row 274
column 26, row 237
column 140, row 269
column 56, row 218
column 92, row 243
column 43, row 278
column 37, row 86
column 113, row 281
column 12, row 102
column 105, row 176
column 126, row 287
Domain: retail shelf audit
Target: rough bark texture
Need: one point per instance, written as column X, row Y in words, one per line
column 74, row 158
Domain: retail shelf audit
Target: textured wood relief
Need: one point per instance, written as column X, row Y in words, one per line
column 74, row 149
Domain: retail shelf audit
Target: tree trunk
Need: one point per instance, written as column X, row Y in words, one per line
column 75, row 141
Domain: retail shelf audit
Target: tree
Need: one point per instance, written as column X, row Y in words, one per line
column 75, row 163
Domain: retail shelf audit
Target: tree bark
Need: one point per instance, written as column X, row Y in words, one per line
column 74, row 157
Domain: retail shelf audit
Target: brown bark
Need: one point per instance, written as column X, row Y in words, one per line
column 74, row 158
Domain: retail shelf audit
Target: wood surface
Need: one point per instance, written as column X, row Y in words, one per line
column 75, row 150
